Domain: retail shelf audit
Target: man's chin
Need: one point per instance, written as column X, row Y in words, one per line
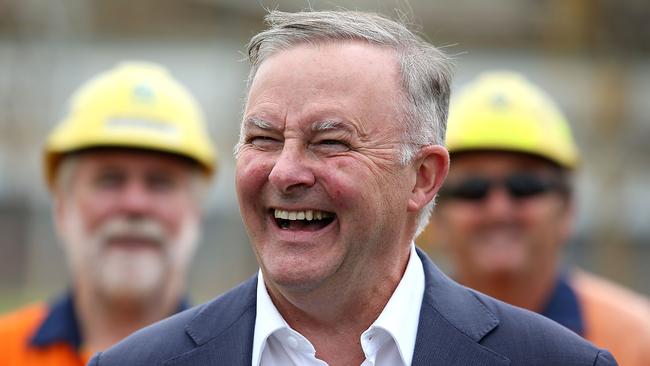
column 133, row 277
column 502, row 271
column 501, row 259
column 299, row 279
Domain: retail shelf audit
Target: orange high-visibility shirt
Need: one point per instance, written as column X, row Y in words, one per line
column 45, row 335
column 17, row 347
column 605, row 314
column 615, row 318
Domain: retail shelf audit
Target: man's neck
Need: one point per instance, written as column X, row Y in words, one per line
column 529, row 291
column 104, row 322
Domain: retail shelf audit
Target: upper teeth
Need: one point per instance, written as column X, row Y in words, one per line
column 301, row 215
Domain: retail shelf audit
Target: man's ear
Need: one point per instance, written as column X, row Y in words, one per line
column 567, row 217
column 58, row 209
column 430, row 165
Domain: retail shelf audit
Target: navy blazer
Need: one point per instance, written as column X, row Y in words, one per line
column 458, row 327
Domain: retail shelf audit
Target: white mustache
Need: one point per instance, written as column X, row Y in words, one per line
column 144, row 229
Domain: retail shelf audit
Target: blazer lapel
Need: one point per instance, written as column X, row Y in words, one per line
column 452, row 323
column 223, row 330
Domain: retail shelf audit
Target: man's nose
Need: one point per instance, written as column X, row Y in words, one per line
column 135, row 199
column 291, row 170
column 499, row 203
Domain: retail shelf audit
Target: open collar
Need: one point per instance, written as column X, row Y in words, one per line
column 400, row 316
column 398, row 320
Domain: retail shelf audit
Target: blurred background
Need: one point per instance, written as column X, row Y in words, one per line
column 593, row 56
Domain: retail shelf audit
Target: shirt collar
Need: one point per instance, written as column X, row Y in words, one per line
column 399, row 318
column 401, row 314
column 563, row 306
column 267, row 320
column 61, row 323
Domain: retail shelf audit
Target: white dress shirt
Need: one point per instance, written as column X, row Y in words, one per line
column 389, row 341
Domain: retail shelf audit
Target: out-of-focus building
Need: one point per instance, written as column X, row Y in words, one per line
column 592, row 55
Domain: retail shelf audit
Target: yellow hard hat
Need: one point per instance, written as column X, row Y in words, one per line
column 135, row 105
column 502, row 110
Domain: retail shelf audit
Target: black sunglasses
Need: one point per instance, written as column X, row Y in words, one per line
column 518, row 186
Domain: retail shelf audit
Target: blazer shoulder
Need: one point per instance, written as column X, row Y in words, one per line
column 491, row 332
column 152, row 344
column 524, row 336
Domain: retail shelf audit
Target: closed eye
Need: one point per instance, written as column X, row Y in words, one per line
column 332, row 142
column 264, row 142
column 109, row 179
column 161, row 182
column 331, row 145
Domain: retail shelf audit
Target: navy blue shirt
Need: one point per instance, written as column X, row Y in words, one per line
column 563, row 306
column 61, row 324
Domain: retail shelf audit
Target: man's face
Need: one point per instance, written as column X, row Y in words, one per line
column 501, row 234
column 320, row 190
column 129, row 221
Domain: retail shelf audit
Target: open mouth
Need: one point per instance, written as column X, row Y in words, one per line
column 307, row 220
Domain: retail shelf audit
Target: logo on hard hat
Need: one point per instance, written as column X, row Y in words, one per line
column 499, row 101
column 144, row 93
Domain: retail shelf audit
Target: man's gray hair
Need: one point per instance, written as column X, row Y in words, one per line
column 425, row 69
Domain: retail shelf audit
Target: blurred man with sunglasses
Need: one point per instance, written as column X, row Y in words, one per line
column 507, row 210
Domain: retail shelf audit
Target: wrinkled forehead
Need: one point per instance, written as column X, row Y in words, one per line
column 323, row 46
column 329, row 61
column 326, row 86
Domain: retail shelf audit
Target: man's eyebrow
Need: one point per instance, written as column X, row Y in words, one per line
column 329, row 125
column 260, row 123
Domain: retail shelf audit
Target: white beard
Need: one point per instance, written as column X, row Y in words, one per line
column 135, row 275
column 125, row 274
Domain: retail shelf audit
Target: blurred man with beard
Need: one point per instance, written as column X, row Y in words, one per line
column 127, row 169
